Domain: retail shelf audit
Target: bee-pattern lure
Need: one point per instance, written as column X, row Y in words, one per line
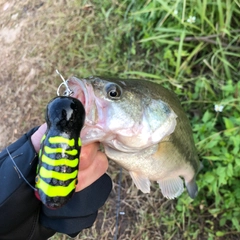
column 59, row 153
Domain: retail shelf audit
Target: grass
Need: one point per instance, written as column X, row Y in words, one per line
column 141, row 39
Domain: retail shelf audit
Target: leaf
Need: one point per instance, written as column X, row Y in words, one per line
column 237, row 161
column 212, row 158
column 222, row 221
column 236, row 223
column 228, row 123
column 215, row 211
column 230, row 170
column 220, row 234
column 221, row 171
column 212, row 144
column 209, row 177
column 207, row 116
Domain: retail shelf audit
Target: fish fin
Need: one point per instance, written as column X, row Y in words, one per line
column 192, row 188
column 171, row 188
column 141, row 182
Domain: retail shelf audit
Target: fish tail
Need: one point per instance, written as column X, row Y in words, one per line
column 192, row 188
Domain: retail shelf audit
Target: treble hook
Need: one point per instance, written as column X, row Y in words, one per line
column 68, row 91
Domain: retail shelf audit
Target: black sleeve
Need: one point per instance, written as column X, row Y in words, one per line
column 81, row 211
column 23, row 217
column 19, row 209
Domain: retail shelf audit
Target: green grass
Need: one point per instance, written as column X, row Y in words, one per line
column 207, row 45
column 198, row 60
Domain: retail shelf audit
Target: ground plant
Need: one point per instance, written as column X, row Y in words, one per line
column 189, row 46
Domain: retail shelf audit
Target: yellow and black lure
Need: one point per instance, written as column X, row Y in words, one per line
column 57, row 170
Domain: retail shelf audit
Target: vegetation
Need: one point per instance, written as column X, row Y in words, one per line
column 191, row 47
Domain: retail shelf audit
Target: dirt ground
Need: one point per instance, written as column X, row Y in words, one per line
column 22, row 96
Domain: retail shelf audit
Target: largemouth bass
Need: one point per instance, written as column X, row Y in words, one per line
column 143, row 127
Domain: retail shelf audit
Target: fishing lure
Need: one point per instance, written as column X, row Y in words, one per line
column 60, row 149
column 59, row 153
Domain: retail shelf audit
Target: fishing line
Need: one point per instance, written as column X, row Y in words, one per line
column 118, row 212
column 19, row 171
column 118, row 203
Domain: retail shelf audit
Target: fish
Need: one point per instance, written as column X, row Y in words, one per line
column 142, row 127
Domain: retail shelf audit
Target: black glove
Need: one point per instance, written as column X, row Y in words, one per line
column 23, row 217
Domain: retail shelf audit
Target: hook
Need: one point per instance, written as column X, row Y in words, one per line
column 68, row 91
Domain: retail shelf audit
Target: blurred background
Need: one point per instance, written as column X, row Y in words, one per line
column 191, row 47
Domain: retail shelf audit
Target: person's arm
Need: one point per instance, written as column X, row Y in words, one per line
column 92, row 191
column 18, row 207
column 24, row 217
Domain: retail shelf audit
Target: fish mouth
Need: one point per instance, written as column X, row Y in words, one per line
column 80, row 90
column 83, row 91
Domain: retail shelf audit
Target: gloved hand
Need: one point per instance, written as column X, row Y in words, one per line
column 23, row 217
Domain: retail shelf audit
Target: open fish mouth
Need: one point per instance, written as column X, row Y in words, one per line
column 83, row 91
column 79, row 90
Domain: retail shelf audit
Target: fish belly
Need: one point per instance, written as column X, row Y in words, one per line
column 147, row 165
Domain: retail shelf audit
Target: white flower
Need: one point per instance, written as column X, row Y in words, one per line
column 175, row 12
column 191, row 19
column 218, row 108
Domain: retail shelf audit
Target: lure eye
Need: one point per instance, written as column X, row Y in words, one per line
column 113, row 91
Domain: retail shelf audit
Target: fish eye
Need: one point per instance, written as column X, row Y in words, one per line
column 113, row 91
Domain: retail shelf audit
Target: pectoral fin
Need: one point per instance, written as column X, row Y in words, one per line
column 141, row 182
column 171, row 188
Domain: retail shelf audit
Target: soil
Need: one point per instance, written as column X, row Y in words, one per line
column 21, row 97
